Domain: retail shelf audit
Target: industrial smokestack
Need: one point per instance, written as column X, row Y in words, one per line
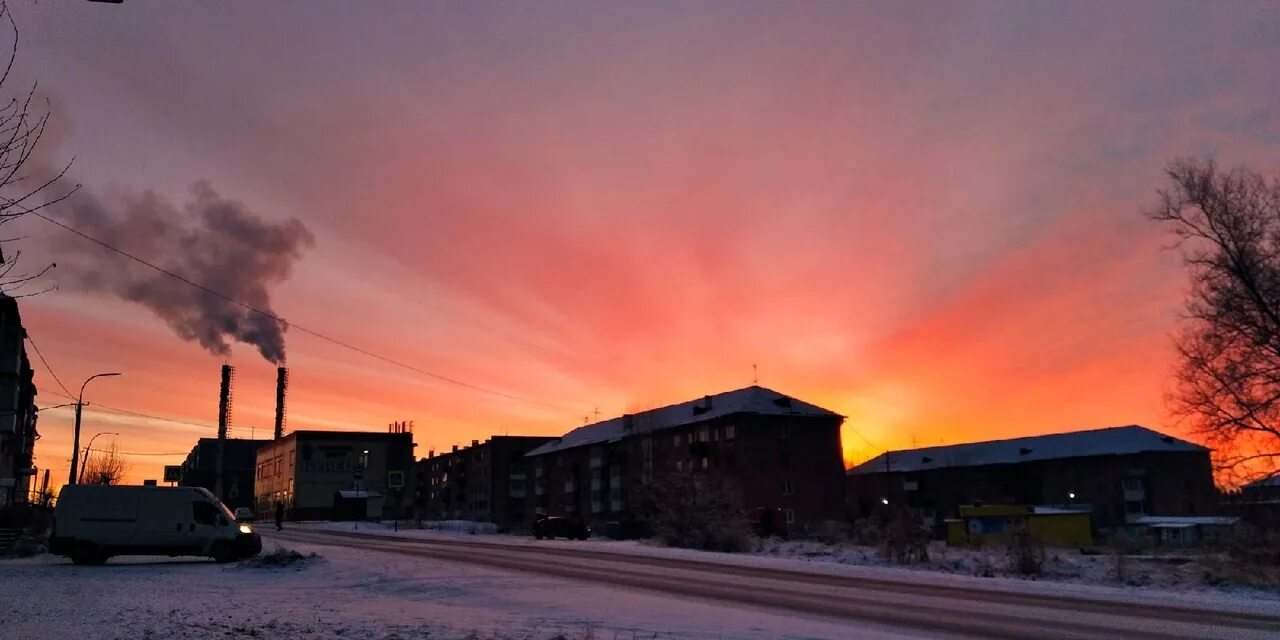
column 224, row 419
column 224, row 402
column 282, row 383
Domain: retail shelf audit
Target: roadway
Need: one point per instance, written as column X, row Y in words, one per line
column 915, row 606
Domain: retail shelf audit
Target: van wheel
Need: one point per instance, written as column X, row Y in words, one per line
column 87, row 553
column 221, row 553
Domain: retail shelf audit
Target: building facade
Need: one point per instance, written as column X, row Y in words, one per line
column 305, row 470
column 769, row 452
column 240, row 465
column 1120, row 474
column 485, row 482
column 17, row 408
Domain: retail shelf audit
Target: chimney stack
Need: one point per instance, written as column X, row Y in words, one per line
column 224, row 402
column 282, row 383
column 224, row 420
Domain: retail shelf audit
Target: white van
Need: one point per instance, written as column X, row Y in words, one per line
column 93, row 522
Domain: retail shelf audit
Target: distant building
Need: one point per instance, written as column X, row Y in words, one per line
column 1120, row 473
column 306, row 470
column 485, row 482
column 773, row 452
column 17, row 407
column 240, row 463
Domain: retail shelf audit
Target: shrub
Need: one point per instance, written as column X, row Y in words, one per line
column 692, row 512
column 1026, row 554
column 898, row 532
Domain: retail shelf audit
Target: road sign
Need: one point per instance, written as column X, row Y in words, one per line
column 172, row 473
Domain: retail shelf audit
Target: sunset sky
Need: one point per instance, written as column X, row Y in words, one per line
column 925, row 216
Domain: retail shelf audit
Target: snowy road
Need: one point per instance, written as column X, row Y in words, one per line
column 914, row 607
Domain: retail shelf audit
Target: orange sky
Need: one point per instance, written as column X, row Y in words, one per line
column 927, row 218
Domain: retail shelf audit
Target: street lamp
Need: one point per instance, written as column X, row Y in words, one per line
column 84, row 465
column 75, row 444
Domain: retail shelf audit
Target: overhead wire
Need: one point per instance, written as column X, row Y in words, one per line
column 285, row 323
column 46, row 365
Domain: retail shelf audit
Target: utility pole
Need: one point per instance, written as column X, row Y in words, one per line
column 75, row 443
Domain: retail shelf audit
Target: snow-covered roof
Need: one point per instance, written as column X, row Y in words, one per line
column 1185, row 521
column 753, row 400
column 1112, row 441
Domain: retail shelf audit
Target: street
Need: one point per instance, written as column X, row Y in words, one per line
column 914, row 607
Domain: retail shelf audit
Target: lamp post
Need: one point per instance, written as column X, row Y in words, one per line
column 75, row 444
column 84, row 465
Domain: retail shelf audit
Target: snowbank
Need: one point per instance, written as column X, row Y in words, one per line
column 360, row 595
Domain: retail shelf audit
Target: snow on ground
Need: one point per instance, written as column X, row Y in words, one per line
column 1162, row 579
column 348, row 593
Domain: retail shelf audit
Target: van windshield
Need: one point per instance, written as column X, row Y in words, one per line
column 231, row 517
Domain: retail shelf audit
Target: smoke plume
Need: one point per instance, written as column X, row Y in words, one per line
column 210, row 240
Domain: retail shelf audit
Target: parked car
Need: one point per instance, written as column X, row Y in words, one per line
column 93, row 522
column 559, row 527
column 244, row 514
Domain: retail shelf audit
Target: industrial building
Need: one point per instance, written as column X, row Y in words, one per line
column 1118, row 475
column 305, row 471
column 240, row 463
column 773, row 453
column 485, row 482
column 17, row 408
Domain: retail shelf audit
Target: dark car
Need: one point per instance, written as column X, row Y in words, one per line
column 559, row 527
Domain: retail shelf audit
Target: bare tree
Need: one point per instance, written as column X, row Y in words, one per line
column 25, row 184
column 690, row 510
column 1228, row 378
column 105, row 466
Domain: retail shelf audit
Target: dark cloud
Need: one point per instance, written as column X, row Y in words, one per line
column 211, row 240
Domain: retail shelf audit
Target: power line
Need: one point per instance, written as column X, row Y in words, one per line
column 285, row 323
column 46, row 365
column 110, row 409
column 864, row 439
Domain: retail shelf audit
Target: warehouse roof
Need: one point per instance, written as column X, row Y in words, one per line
column 754, row 400
column 1112, row 441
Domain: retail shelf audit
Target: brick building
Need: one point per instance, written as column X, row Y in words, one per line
column 17, row 407
column 305, row 470
column 240, row 463
column 1119, row 473
column 485, row 482
column 769, row 450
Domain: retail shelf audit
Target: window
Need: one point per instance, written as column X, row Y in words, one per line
column 715, row 434
column 729, row 432
column 1132, row 484
column 791, row 515
column 675, row 442
column 787, row 489
column 203, row 512
column 1135, row 507
column 702, row 434
column 706, row 463
column 680, row 465
column 784, row 431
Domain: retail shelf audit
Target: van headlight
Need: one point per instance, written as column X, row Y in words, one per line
column 244, row 528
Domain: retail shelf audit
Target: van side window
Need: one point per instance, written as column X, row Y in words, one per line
column 203, row 512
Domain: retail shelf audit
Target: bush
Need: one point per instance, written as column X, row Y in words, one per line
column 692, row 512
column 1026, row 554
column 898, row 532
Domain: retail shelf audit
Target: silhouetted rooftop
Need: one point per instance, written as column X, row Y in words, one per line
column 1112, row 441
